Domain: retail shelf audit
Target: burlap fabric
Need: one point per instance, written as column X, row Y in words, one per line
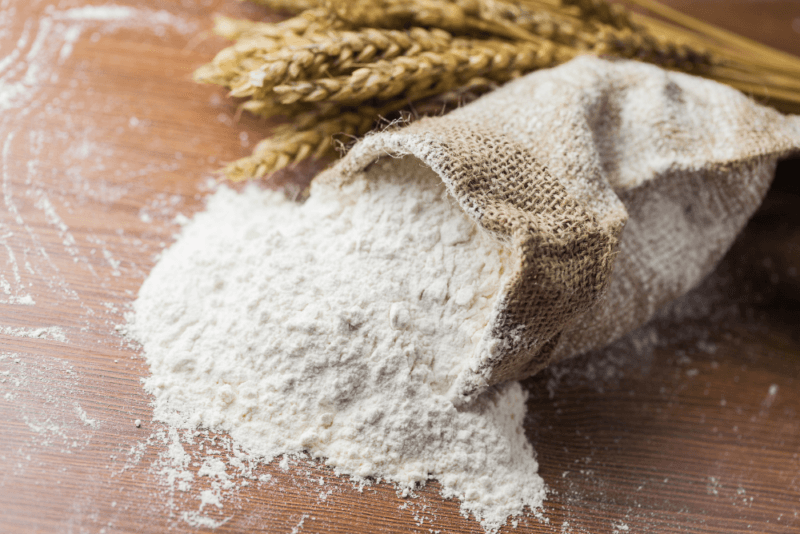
column 617, row 185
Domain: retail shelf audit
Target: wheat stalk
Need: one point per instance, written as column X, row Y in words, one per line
column 254, row 38
column 339, row 66
column 335, row 53
column 599, row 10
column 289, row 145
column 454, row 16
column 313, row 134
column 291, row 6
column 306, row 23
column 414, row 76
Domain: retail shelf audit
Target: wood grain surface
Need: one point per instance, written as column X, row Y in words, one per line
column 691, row 425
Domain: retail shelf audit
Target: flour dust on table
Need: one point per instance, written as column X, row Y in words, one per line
column 335, row 329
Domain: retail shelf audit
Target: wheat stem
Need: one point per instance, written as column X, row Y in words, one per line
column 760, row 53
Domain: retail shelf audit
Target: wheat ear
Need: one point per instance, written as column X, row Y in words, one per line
column 290, row 146
column 291, row 6
column 602, row 11
column 413, row 76
column 335, row 53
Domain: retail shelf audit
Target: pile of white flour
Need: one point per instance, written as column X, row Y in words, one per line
column 336, row 328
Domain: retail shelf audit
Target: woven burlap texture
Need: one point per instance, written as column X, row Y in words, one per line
column 616, row 185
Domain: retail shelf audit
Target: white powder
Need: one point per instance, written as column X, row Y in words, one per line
column 104, row 13
column 336, row 328
column 51, row 332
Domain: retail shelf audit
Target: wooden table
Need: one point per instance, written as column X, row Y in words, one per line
column 692, row 425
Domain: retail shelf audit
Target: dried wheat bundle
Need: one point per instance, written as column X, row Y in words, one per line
column 339, row 67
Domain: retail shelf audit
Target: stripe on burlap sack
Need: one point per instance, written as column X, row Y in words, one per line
column 554, row 165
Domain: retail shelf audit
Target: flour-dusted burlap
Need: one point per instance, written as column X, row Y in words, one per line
column 616, row 185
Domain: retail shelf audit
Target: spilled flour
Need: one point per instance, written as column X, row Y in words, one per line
column 335, row 329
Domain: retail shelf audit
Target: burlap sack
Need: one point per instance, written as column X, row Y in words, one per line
column 617, row 185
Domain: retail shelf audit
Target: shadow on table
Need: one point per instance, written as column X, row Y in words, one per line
column 693, row 417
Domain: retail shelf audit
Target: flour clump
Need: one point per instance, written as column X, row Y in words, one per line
column 336, row 328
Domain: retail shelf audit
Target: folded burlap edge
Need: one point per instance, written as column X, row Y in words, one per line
column 564, row 247
column 563, row 250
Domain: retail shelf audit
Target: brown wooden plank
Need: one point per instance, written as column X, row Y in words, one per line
column 675, row 433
